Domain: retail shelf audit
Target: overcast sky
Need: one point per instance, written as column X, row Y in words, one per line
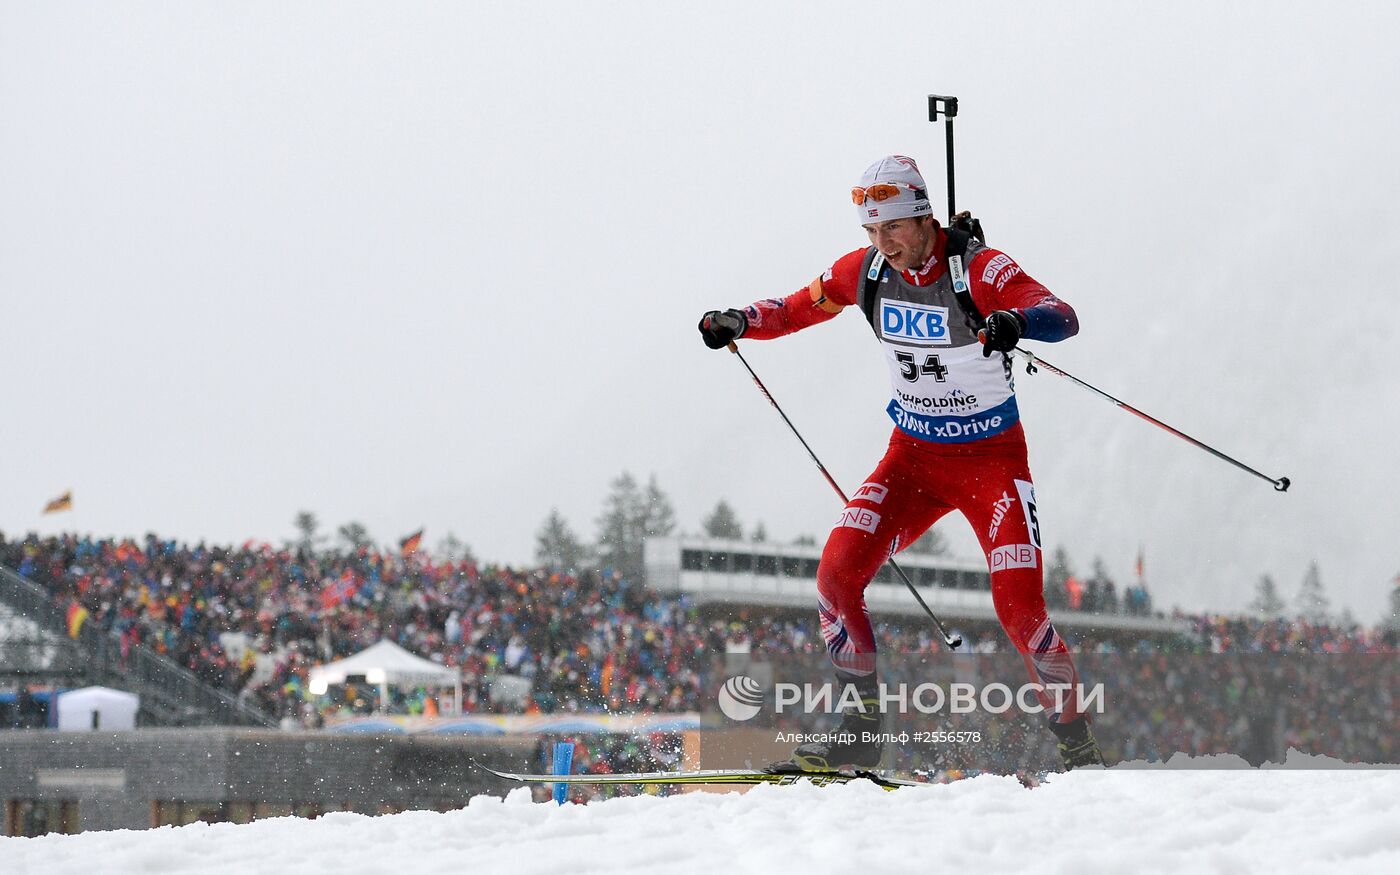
column 440, row 265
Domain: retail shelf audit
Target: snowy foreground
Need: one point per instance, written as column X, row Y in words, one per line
column 1119, row 821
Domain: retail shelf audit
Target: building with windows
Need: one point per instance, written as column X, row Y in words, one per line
column 715, row 572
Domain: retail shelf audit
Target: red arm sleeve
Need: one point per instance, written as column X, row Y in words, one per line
column 998, row 283
column 814, row 303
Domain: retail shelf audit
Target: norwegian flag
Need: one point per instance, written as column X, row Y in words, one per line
column 342, row 589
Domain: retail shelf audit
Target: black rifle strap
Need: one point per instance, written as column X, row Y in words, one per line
column 870, row 288
column 957, row 248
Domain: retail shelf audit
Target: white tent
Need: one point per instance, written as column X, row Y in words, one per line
column 97, row 708
column 383, row 664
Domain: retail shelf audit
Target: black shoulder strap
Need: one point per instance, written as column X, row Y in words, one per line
column 962, row 290
column 870, row 285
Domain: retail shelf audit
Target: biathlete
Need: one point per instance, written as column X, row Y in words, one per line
column 957, row 442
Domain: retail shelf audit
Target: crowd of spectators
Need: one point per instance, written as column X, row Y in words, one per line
column 575, row 642
column 590, row 641
column 1221, row 634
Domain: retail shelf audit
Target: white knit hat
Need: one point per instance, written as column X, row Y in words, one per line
column 912, row 199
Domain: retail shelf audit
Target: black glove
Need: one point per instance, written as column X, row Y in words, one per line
column 1002, row 333
column 719, row 329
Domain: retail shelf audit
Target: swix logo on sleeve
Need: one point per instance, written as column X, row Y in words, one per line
column 871, row 492
column 858, row 518
column 916, row 323
column 1012, row 556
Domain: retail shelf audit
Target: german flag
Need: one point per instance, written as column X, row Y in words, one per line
column 62, row 503
column 77, row 615
column 411, row 543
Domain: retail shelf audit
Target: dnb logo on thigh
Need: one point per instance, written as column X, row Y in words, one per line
column 1013, row 556
column 858, row 518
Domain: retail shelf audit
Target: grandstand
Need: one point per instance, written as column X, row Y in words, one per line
column 39, row 646
column 714, row 571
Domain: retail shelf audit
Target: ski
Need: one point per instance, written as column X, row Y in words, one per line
column 734, row 777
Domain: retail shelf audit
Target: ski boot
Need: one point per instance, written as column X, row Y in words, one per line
column 1077, row 744
column 856, row 743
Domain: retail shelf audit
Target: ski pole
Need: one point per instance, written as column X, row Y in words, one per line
column 1034, row 363
column 953, row 641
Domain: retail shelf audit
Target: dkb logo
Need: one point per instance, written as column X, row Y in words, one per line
column 740, row 698
column 914, row 324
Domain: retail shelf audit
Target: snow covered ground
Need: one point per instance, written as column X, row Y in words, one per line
column 1120, row 821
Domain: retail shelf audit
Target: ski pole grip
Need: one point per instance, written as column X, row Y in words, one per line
column 732, row 348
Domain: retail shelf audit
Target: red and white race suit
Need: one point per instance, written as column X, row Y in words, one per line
column 957, row 445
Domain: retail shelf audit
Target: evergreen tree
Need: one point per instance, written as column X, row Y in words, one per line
column 307, row 524
column 1391, row 621
column 656, row 517
column 1101, row 594
column 1311, row 601
column 1267, row 603
column 1056, row 575
column 630, row 516
column 723, row 523
column 556, row 545
column 760, row 534
column 454, row 549
column 354, row 535
column 805, row 541
column 619, row 529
